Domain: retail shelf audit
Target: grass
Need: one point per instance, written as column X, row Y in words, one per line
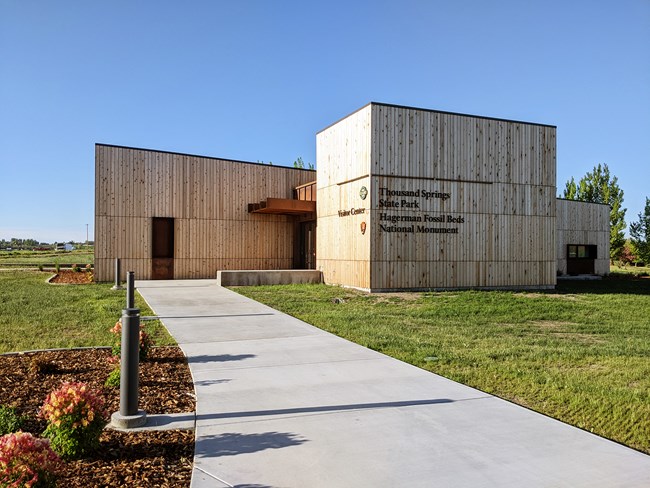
column 37, row 315
column 629, row 270
column 34, row 258
column 579, row 354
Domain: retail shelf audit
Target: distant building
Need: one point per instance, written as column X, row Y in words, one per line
column 63, row 247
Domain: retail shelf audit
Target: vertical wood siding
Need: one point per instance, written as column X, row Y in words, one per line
column 582, row 223
column 208, row 199
column 343, row 154
column 500, row 178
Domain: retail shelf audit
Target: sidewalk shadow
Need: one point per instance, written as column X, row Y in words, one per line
column 206, row 358
column 212, row 382
column 232, row 443
column 326, row 408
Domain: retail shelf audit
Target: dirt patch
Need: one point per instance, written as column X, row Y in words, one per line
column 550, row 324
column 69, row 277
column 558, row 296
column 555, row 328
column 396, row 297
column 124, row 459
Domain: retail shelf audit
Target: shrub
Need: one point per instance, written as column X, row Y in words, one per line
column 113, row 380
column 40, row 267
column 146, row 342
column 9, row 420
column 76, row 417
column 76, row 268
column 26, row 460
column 57, row 266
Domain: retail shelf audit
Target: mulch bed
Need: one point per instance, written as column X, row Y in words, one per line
column 69, row 277
column 158, row 458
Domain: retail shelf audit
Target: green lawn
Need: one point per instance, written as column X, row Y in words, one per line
column 580, row 354
column 630, row 270
column 34, row 258
column 37, row 315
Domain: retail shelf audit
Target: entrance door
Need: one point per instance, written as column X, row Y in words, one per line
column 162, row 244
column 308, row 245
column 581, row 259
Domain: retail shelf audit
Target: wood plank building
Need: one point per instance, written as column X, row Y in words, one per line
column 582, row 238
column 169, row 215
column 403, row 199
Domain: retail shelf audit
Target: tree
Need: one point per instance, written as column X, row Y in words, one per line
column 299, row 163
column 627, row 256
column 640, row 234
column 599, row 186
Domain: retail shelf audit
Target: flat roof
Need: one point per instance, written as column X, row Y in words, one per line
column 581, row 201
column 435, row 111
column 202, row 156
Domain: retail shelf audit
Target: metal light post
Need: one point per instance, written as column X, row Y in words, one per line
column 129, row 416
column 117, row 285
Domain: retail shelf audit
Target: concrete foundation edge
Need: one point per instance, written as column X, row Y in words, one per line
column 268, row 277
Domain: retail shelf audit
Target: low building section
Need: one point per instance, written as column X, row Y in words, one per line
column 582, row 238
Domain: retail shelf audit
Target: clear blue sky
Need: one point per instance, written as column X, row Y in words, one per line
column 255, row 80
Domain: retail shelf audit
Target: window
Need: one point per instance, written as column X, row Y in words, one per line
column 575, row 251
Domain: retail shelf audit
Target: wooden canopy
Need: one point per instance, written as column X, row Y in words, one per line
column 283, row 206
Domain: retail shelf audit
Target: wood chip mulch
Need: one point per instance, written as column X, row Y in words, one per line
column 151, row 458
column 69, row 277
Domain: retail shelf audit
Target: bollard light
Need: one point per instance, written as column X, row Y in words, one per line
column 129, row 416
column 130, row 289
column 117, row 285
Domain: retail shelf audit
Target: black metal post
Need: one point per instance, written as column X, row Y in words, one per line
column 130, row 289
column 117, row 285
column 129, row 416
column 130, row 361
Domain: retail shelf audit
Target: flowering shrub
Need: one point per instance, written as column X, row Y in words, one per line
column 146, row 342
column 26, row 460
column 76, row 417
column 76, row 268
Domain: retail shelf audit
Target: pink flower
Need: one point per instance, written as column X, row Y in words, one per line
column 71, row 404
column 24, row 459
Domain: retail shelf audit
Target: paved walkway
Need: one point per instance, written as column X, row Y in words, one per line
column 283, row 404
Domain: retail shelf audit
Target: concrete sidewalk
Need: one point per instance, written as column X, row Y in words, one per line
column 283, row 404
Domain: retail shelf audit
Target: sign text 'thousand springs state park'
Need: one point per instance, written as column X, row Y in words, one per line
column 414, row 220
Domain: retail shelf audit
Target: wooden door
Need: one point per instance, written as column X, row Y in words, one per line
column 308, row 244
column 162, row 245
column 581, row 259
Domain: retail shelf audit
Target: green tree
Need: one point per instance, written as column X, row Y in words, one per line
column 640, row 234
column 299, row 163
column 598, row 186
column 570, row 189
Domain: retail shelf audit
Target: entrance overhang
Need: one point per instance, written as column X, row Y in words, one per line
column 283, row 206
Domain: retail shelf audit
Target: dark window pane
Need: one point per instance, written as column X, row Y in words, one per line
column 573, row 253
